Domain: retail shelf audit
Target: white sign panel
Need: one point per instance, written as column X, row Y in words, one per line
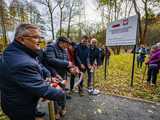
column 122, row 32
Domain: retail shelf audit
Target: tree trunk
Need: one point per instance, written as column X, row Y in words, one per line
column 52, row 25
column 60, row 28
column 115, row 9
column 126, row 6
column 3, row 24
column 139, row 21
column 145, row 23
column 129, row 12
column 69, row 23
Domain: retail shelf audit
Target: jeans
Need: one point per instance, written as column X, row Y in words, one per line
column 152, row 73
column 139, row 64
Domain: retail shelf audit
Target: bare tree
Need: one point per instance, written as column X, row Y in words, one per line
column 61, row 4
column 51, row 8
column 141, row 34
column 3, row 14
column 73, row 11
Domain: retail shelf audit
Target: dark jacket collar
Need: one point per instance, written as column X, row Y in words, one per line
column 83, row 46
column 25, row 49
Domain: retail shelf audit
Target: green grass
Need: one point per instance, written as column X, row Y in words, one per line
column 119, row 78
column 2, row 116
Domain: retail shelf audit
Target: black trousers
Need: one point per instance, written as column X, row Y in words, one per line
column 72, row 82
column 139, row 64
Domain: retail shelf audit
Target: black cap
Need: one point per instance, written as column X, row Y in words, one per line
column 63, row 39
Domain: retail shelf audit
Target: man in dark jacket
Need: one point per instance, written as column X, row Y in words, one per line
column 21, row 80
column 82, row 58
column 56, row 57
column 95, row 60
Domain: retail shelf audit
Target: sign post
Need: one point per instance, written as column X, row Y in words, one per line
column 123, row 32
column 134, row 55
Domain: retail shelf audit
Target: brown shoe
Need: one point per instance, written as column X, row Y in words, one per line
column 63, row 111
column 81, row 94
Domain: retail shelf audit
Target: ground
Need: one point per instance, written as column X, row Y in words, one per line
column 105, row 107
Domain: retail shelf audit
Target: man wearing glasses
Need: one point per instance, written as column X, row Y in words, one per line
column 21, row 79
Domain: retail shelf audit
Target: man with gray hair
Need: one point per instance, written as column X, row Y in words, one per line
column 21, row 78
column 158, row 44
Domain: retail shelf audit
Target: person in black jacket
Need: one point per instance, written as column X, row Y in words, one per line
column 21, row 79
column 82, row 58
column 95, row 60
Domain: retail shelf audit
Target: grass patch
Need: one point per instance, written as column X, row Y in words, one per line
column 119, row 78
column 2, row 116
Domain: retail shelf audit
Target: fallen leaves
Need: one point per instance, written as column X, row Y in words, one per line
column 118, row 81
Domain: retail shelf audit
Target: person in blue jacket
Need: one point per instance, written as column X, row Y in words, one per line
column 82, row 58
column 21, row 78
column 141, row 55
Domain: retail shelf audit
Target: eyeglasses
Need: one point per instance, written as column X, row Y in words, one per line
column 35, row 37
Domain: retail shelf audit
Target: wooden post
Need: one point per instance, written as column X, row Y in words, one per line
column 51, row 110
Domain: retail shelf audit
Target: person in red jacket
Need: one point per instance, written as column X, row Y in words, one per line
column 71, row 57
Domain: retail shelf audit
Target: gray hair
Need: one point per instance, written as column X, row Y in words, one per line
column 22, row 29
column 158, row 44
column 154, row 47
column 93, row 40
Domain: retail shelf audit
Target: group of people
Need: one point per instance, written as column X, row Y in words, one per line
column 153, row 61
column 28, row 73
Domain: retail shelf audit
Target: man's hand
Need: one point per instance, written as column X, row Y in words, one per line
column 74, row 70
column 70, row 64
column 55, row 79
column 95, row 66
column 82, row 67
column 59, row 77
column 89, row 66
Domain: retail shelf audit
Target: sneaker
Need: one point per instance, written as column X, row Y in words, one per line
column 152, row 84
column 95, row 92
column 90, row 90
column 63, row 112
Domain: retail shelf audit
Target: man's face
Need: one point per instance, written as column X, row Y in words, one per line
column 142, row 46
column 31, row 39
column 84, row 41
column 93, row 43
column 64, row 45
